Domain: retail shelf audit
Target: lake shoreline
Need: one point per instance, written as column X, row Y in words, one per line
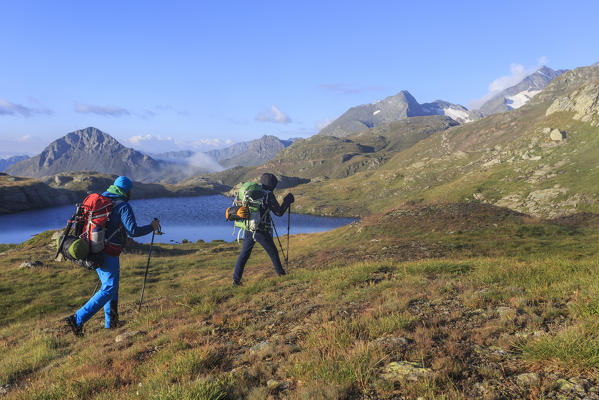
column 189, row 218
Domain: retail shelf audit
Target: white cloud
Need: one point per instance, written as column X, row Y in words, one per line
column 517, row 73
column 274, row 115
column 9, row 108
column 24, row 144
column 321, row 124
column 159, row 144
column 106, row 111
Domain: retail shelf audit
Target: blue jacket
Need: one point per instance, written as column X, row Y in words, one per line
column 123, row 214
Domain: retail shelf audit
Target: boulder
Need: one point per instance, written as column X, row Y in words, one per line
column 32, row 264
column 125, row 336
column 556, row 135
column 527, row 379
column 406, row 370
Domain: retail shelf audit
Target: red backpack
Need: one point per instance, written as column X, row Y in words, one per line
column 95, row 214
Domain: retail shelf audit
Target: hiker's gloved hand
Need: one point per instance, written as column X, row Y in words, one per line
column 289, row 198
column 155, row 225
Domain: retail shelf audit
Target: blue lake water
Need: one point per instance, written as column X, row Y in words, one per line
column 190, row 218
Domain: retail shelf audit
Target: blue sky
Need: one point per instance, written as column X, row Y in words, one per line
column 163, row 75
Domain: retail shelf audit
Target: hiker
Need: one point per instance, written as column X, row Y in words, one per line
column 122, row 220
column 263, row 233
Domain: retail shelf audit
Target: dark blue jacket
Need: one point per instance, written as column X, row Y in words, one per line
column 122, row 213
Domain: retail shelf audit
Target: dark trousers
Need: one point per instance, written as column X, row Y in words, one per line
column 266, row 240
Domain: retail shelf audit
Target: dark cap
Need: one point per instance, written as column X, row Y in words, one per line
column 268, row 181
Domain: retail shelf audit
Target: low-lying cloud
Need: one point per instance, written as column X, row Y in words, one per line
column 274, row 115
column 10, row 108
column 203, row 161
column 105, row 111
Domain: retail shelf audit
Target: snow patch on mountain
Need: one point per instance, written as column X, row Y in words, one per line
column 519, row 99
column 458, row 115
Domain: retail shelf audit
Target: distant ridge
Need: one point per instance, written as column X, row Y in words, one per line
column 250, row 153
column 7, row 162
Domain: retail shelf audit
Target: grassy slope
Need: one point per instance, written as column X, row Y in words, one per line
column 436, row 276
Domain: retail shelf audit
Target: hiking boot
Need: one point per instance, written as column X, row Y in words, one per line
column 72, row 323
column 236, row 284
column 117, row 324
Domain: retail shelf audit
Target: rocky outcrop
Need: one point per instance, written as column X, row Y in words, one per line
column 19, row 194
column 584, row 103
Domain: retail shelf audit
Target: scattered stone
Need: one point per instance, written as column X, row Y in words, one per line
column 274, row 384
column 392, row 342
column 406, row 370
column 259, row 347
column 527, row 379
column 55, row 236
column 506, row 312
column 34, row 264
column 125, row 336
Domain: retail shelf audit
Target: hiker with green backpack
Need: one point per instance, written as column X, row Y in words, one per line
column 251, row 214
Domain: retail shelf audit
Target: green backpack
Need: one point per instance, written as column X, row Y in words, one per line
column 252, row 196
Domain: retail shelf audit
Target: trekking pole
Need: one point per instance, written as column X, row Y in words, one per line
column 288, row 225
column 96, row 288
column 141, row 299
column 278, row 239
column 67, row 230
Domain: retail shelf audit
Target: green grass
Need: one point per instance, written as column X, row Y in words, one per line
column 328, row 328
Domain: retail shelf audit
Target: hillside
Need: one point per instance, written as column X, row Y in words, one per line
column 19, row 194
column 450, row 301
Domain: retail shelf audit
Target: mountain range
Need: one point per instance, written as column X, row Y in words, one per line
column 404, row 105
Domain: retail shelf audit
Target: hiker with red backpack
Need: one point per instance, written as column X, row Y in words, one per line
column 120, row 222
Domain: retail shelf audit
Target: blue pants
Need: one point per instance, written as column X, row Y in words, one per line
column 107, row 296
column 265, row 239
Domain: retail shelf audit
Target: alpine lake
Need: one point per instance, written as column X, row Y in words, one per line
column 182, row 218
